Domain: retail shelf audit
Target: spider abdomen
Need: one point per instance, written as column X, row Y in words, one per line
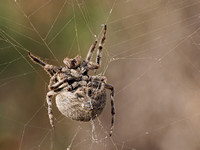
column 80, row 106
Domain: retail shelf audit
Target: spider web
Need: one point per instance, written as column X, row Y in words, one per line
column 151, row 57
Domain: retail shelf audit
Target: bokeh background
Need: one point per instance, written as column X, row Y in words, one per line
column 151, row 57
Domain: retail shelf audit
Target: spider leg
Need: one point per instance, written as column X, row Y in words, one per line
column 110, row 87
column 70, row 87
column 62, row 82
column 49, row 96
column 98, row 59
column 52, row 81
column 92, row 66
column 57, row 84
column 50, row 69
column 88, row 65
column 98, row 78
column 91, row 50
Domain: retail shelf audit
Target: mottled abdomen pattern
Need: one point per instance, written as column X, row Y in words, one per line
column 79, row 105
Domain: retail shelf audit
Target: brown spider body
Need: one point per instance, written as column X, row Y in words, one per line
column 80, row 107
column 79, row 96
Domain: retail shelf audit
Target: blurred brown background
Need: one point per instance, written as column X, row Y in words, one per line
column 151, row 57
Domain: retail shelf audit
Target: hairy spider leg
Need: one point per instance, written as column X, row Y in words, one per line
column 49, row 96
column 57, row 84
column 98, row 59
column 92, row 66
column 68, row 87
column 88, row 65
column 65, row 80
column 110, row 87
column 50, row 69
column 52, row 81
column 91, row 50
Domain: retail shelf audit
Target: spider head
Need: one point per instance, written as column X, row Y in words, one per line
column 72, row 63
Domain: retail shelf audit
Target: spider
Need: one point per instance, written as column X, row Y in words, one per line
column 79, row 96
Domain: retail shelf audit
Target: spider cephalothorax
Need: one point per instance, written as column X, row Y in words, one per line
column 78, row 96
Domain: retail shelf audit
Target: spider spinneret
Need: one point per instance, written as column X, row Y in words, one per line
column 79, row 96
